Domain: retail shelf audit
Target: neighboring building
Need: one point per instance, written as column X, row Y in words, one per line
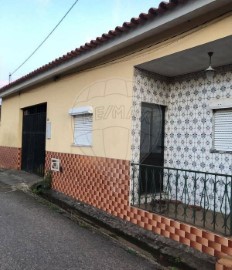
column 130, row 123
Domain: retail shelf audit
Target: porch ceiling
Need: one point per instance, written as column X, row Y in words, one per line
column 192, row 60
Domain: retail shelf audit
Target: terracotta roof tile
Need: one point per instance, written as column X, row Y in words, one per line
column 126, row 27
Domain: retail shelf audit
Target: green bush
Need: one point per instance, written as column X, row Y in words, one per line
column 44, row 185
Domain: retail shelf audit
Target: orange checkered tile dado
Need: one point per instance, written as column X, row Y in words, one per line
column 104, row 183
column 101, row 182
column 204, row 241
column 10, row 157
column 225, row 263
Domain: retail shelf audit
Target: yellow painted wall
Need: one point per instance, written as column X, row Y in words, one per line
column 10, row 126
column 108, row 89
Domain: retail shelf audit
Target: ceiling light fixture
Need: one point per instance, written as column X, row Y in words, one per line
column 210, row 70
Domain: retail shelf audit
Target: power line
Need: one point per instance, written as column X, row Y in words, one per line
column 46, row 38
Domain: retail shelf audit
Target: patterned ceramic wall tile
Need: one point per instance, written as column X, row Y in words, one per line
column 101, row 182
column 147, row 88
column 10, row 157
column 188, row 122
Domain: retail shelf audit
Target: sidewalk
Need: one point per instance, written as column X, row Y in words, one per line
column 18, row 179
column 165, row 250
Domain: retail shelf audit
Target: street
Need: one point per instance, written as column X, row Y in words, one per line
column 36, row 236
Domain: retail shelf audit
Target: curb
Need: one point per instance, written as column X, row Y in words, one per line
column 165, row 251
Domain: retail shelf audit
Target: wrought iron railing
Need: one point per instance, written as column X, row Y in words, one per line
column 199, row 198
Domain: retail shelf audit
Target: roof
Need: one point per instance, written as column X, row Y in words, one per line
column 152, row 14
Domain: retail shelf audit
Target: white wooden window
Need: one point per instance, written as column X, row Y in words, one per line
column 222, row 130
column 83, row 125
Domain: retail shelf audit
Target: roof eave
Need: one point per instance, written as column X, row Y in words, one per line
column 170, row 19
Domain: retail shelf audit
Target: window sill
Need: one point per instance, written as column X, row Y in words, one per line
column 80, row 145
column 220, row 151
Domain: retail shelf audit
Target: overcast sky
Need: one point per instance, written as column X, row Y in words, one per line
column 25, row 23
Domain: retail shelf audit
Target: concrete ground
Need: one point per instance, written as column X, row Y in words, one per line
column 35, row 235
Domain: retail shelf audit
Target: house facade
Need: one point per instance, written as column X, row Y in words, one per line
column 130, row 123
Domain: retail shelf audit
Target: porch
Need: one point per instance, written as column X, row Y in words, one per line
column 199, row 198
column 181, row 137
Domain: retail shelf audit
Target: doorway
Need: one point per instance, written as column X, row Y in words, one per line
column 34, row 138
column 152, row 147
